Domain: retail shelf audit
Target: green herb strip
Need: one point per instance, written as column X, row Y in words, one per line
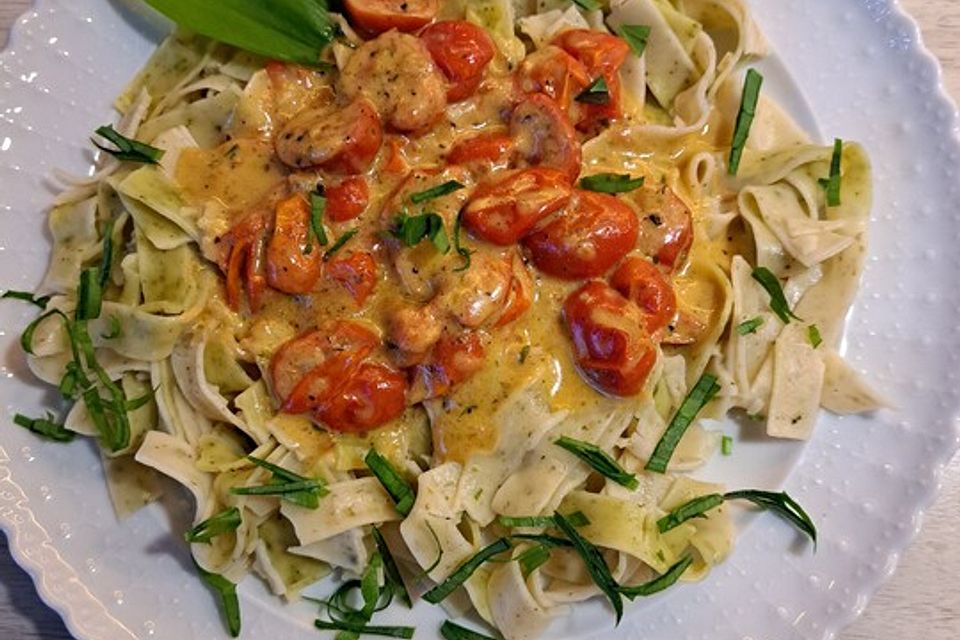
column 339, row 244
column 403, row 496
column 611, row 183
column 290, row 486
column 749, row 326
column 781, row 504
column 127, row 149
column 748, row 109
column 47, row 428
column 702, row 392
column 223, row 522
column 227, row 592
column 599, row 460
column 318, row 206
column 657, row 585
column 693, row 509
column 89, row 295
column 635, row 35
column 365, row 630
column 463, row 252
column 726, row 445
column 778, row 301
column 596, row 566
column 813, row 334
column 411, row 230
column 391, row 570
column 533, row 558
column 463, row 573
column 451, row 631
column 596, row 93
column 26, row 296
column 577, row 519
column 832, row 184
column 436, row 192
column 588, row 5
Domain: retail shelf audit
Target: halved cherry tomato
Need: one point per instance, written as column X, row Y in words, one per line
column 377, row 16
column 322, row 381
column 486, row 151
column 610, row 344
column 505, row 208
column 602, row 54
column 590, row 236
column 370, row 397
column 639, row 281
column 666, row 225
column 454, row 359
column 289, row 267
column 243, row 260
column 555, row 73
column 342, row 140
column 347, row 200
column 292, row 363
column 357, row 273
column 462, row 50
column 545, row 137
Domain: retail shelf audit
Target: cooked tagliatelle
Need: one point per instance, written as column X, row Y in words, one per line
column 443, row 311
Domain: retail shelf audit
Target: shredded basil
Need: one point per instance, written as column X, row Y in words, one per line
column 411, row 230
column 599, row 460
column 227, row 592
column 463, row 573
column 436, row 192
column 461, row 251
column 533, row 558
column 611, row 183
column 577, row 519
column 127, row 149
column 749, row 326
column 588, row 5
column 223, row 522
column 702, row 392
column 290, row 486
column 596, row 565
column 40, row 301
column 403, row 496
column 89, row 295
column 657, row 585
column 781, row 504
column 391, row 570
column 832, row 184
column 115, row 329
column 106, row 263
column 813, row 334
column 318, row 206
column 451, row 631
column 778, row 301
column 748, row 109
column 47, row 428
column 726, row 445
column 635, row 35
column 365, row 630
column 596, row 93
column 693, row 509
column 339, row 244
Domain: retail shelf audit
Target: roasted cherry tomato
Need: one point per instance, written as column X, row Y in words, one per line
column 348, row 199
column 506, row 207
column 486, row 151
column 602, row 54
column 545, row 137
column 666, row 226
column 357, row 273
column 297, row 358
column 369, row 397
column 341, row 139
column 453, row 360
column 641, row 282
column 610, row 343
column 377, row 16
column 289, row 267
column 591, row 235
column 462, row 50
column 554, row 73
column 243, row 260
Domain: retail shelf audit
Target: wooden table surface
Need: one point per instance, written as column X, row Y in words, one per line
column 921, row 600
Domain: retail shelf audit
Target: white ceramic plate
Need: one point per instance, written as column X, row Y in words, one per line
column 866, row 480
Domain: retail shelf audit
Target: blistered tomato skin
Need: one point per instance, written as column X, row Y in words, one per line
column 462, row 50
column 369, row 398
column 585, row 240
column 611, row 345
column 641, row 282
column 377, row 16
column 347, row 199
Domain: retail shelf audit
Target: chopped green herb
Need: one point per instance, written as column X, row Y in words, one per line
column 702, row 392
column 596, row 565
column 47, row 428
column 227, row 591
column 588, row 5
column 451, row 631
column 370, row 585
column 832, row 184
column 339, row 244
column 781, row 504
column 461, row 251
column 40, row 301
column 813, row 333
column 726, row 445
column 577, row 519
column 533, row 558
column 391, row 570
column 106, row 262
column 411, row 230
column 290, row 486
column 693, row 509
column 318, row 206
column 657, row 585
column 89, row 295
column 127, row 149
column 544, row 539
column 223, row 522
column 748, row 109
column 115, row 329
column 436, row 192
column 365, row 630
column 599, row 460
column 596, row 93
column 278, row 489
column 463, row 573
column 611, row 183
column 778, row 301
column 749, row 326
column 393, row 482
column 26, row 338
column 635, row 35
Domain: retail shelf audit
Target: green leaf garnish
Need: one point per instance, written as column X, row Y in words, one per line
column 26, row 296
column 223, row 522
column 588, row 5
column 227, row 592
column 463, row 573
column 781, row 504
column 451, row 631
column 599, row 460
column 596, row 92
column 596, row 565
column 748, row 109
column 813, row 334
column 411, row 230
column 635, row 35
column 533, row 558
column 318, row 206
column 577, row 519
column 290, row 486
column 106, row 262
column 26, row 338
column 832, row 184
column 436, row 192
column 778, row 301
column 115, row 329
column 89, row 295
column 288, row 30
column 693, row 509
column 726, row 445
column 611, row 183
column 127, row 149
column 657, row 585
column 403, row 496
column 339, row 244
column 460, row 249
column 749, row 326
column 702, row 392
column 391, row 570
column 47, row 428
column 365, row 630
